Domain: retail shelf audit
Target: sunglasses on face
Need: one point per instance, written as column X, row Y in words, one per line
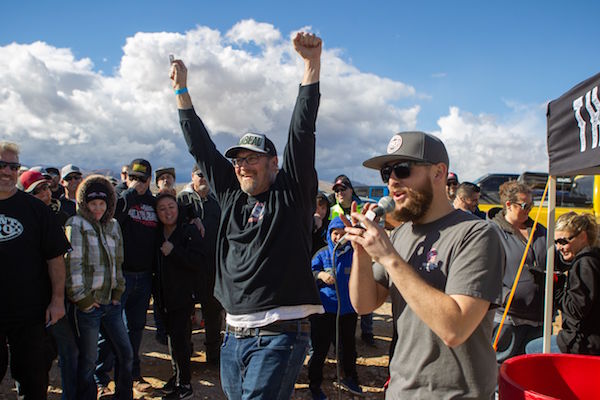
column 524, row 206
column 40, row 188
column 199, row 174
column 565, row 241
column 250, row 160
column 14, row 166
column 452, row 183
column 340, row 189
column 71, row 177
column 137, row 178
column 401, row 170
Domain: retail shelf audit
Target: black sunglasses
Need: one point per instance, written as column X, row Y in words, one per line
column 524, row 206
column 137, row 178
column 401, row 170
column 14, row 166
column 199, row 174
column 340, row 189
column 71, row 177
column 565, row 241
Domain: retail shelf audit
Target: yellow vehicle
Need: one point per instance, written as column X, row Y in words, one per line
column 580, row 194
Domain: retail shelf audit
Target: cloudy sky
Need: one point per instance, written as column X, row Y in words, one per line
column 88, row 83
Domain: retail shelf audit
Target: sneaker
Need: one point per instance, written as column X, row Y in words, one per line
column 351, row 385
column 317, row 394
column 182, row 392
column 104, row 393
column 141, row 386
column 170, row 386
column 368, row 339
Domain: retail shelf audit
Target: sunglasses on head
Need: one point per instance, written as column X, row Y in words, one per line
column 565, row 241
column 401, row 170
column 14, row 166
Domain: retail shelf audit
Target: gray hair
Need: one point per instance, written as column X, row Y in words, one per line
column 576, row 223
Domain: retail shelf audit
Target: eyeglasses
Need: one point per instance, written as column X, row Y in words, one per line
column 69, row 178
column 524, row 206
column 40, row 188
column 402, row 170
column 14, row 166
column 250, row 160
column 565, row 241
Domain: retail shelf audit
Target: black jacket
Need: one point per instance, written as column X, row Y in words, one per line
column 579, row 301
column 176, row 274
column 528, row 302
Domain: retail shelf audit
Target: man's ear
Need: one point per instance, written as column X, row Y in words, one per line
column 440, row 172
column 274, row 163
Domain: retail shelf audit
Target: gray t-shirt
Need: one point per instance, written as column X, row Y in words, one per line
column 457, row 254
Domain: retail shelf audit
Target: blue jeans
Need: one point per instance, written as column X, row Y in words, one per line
column 262, row 367
column 135, row 300
column 68, row 352
column 536, row 346
column 110, row 317
column 513, row 339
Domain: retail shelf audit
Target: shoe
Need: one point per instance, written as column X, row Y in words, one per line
column 182, row 392
column 141, row 386
column 104, row 393
column 352, row 386
column 317, row 394
column 170, row 386
column 368, row 339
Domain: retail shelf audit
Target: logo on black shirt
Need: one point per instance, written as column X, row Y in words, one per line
column 10, row 228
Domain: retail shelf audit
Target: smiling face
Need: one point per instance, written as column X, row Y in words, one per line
column 8, row 176
column 97, row 208
column 167, row 211
column 257, row 178
column 343, row 195
column 515, row 213
column 573, row 243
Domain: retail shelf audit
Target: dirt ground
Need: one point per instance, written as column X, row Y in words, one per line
column 156, row 367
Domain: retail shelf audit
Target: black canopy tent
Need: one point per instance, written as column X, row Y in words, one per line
column 573, row 149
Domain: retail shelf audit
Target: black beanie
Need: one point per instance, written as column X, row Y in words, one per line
column 96, row 191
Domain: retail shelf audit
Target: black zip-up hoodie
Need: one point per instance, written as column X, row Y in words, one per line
column 138, row 221
column 528, row 302
column 579, row 301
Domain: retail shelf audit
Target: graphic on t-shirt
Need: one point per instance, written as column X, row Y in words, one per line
column 10, row 228
column 257, row 213
column 431, row 264
column 143, row 214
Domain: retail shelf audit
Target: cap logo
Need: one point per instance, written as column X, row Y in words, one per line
column 139, row 168
column 395, row 144
column 252, row 140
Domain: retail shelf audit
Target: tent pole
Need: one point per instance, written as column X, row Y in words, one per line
column 549, row 264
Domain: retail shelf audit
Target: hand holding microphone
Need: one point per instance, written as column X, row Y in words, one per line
column 384, row 206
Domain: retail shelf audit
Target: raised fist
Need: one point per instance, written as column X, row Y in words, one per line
column 178, row 74
column 308, row 45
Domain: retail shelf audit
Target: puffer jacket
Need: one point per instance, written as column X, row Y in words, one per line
column 94, row 272
column 528, row 302
column 579, row 301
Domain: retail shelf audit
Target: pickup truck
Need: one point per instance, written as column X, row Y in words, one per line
column 580, row 194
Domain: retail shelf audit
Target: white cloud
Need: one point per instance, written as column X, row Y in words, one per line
column 61, row 110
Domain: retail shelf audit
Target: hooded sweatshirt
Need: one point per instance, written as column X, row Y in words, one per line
column 528, row 301
column 322, row 261
column 94, row 272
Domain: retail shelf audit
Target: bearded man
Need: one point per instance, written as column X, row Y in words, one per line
column 443, row 270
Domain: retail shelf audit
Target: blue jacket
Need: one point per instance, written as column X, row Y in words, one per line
column 322, row 261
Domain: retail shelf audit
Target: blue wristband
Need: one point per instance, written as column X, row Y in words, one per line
column 181, row 91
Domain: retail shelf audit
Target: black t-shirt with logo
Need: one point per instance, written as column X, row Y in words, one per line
column 29, row 235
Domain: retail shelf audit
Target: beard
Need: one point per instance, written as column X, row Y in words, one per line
column 417, row 204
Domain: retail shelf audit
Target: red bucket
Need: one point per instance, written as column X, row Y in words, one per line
column 550, row 376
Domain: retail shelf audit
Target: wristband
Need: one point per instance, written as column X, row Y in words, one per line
column 181, row 91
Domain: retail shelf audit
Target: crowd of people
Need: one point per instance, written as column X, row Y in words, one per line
column 277, row 267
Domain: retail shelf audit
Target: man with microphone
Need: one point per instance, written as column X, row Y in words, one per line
column 443, row 271
column 263, row 276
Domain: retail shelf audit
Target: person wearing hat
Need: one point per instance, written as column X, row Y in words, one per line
column 263, row 278
column 451, row 186
column 95, row 284
column 32, row 287
column 55, row 186
column 344, row 196
column 136, row 215
column 165, row 180
column 71, row 178
column 443, row 270
column 38, row 185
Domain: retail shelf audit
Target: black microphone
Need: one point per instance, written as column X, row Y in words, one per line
column 384, row 205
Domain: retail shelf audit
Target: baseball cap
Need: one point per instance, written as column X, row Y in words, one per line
column 411, row 146
column 342, row 180
column 42, row 171
column 164, row 170
column 140, row 168
column 254, row 142
column 30, row 179
column 53, row 171
column 69, row 169
column 452, row 177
